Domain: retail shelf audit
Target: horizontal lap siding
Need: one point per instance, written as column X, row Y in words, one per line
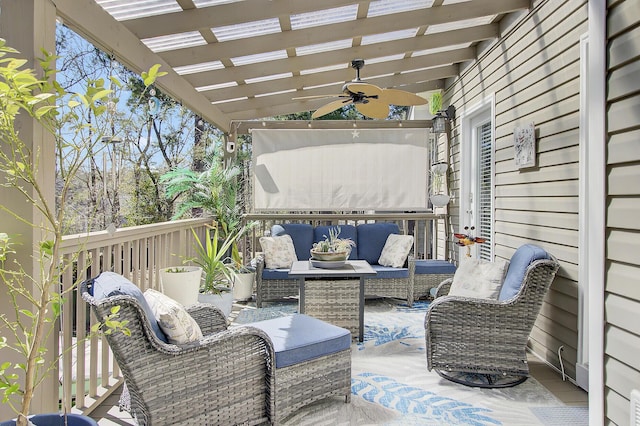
column 534, row 74
column 622, row 282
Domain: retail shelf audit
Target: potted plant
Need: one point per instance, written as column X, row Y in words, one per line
column 332, row 248
column 36, row 296
column 217, row 267
column 243, row 278
column 181, row 283
column 438, row 197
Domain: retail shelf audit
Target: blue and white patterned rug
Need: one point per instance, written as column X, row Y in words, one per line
column 390, row 383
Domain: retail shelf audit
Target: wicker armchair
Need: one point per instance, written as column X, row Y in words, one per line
column 225, row 378
column 482, row 342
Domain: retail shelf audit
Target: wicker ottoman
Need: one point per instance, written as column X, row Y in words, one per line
column 429, row 273
column 313, row 361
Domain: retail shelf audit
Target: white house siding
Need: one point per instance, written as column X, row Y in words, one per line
column 534, row 74
column 622, row 279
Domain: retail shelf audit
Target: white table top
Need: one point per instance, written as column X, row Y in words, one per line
column 351, row 268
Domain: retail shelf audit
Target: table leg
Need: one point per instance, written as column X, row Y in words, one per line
column 301, row 298
column 361, row 311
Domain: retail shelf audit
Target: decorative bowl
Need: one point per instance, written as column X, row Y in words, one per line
column 329, row 255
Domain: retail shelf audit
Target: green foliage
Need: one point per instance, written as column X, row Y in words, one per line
column 333, row 244
column 435, row 103
column 212, row 258
column 36, row 297
column 214, row 191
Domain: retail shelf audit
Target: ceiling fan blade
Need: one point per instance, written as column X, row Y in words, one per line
column 341, row 95
column 401, row 97
column 364, row 88
column 374, row 109
column 331, row 106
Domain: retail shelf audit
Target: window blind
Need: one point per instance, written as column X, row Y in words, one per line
column 485, row 190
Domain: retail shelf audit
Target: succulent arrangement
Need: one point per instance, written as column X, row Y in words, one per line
column 333, row 244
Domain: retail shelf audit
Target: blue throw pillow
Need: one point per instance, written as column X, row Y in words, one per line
column 302, row 236
column 520, row 261
column 109, row 284
column 372, row 238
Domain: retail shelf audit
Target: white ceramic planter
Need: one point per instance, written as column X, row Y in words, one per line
column 439, row 200
column 182, row 287
column 243, row 285
column 223, row 301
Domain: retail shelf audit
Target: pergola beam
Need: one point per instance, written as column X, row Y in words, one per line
column 99, row 28
column 340, row 31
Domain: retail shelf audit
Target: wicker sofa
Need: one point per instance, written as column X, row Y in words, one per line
column 370, row 238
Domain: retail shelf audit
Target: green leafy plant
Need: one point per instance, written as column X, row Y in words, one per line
column 212, row 257
column 214, row 191
column 333, row 244
column 36, row 296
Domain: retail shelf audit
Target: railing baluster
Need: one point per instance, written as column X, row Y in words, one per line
column 67, row 333
column 82, row 265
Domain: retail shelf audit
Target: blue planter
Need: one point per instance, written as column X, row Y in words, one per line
column 56, row 419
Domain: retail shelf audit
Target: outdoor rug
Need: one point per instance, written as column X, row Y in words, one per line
column 390, row 383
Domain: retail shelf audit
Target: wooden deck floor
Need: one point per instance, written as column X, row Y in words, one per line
column 108, row 413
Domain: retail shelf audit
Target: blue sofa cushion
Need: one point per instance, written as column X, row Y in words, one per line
column 434, row 266
column 298, row 338
column 346, row 231
column 300, row 233
column 371, row 239
column 109, row 284
column 518, row 265
column 390, row 272
column 276, row 274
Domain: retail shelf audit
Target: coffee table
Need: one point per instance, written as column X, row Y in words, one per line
column 303, row 270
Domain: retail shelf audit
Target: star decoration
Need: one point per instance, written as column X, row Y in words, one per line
column 355, row 134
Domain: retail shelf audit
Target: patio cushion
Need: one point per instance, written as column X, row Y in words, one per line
column 346, row 231
column 173, row 318
column 389, row 272
column 395, row 250
column 276, row 274
column 298, row 338
column 279, row 252
column 109, row 284
column 434, row 266
column 520, row 261
column 478, row 278
column 372, row 238
column 301, row 234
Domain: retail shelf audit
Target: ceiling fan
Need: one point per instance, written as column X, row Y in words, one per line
column 369, row 99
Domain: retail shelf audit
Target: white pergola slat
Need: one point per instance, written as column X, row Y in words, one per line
column 411, row 45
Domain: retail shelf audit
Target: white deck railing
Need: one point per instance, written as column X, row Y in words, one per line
column 427, row 228
column 137, row 253
column 87, row 368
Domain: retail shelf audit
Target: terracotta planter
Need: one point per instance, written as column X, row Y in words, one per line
column 182, row 287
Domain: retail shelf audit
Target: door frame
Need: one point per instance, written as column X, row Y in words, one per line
column 469, row 120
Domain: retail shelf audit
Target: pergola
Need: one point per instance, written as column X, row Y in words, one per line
column 231, row 60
